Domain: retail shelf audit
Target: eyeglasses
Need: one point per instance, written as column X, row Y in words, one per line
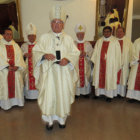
column 57, row 21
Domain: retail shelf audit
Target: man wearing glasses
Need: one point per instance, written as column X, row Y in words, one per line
column 56, row 62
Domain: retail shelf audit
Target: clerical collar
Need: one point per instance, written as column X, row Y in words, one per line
column 57, row 34
column 7, row 43
column 107, row 39
column 29, row 43
column 80, row 41
column 121, row 38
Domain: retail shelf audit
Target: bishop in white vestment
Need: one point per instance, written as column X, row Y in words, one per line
column 55, row 70
column 30, row 90
column 85, row 48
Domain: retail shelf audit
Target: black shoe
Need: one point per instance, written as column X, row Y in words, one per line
column 119, row 96
column 49, row 127
column 62, row 126
column 131, row 101
column 108, row 100
column 76, row 97
column 95, row 97
column 86, row 96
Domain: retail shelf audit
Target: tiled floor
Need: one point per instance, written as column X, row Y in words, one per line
column 90, row 120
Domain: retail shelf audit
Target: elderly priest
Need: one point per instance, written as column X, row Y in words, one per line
column 55, row 69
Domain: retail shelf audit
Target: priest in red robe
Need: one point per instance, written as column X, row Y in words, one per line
column 107, row 62
column 11, row 72
column 126, row 51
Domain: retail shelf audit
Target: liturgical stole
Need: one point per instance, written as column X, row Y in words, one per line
column 119, row 73
column 30, row 69
column 103, row 56
column 11, row 74
column 81, row 65
column 137, row 81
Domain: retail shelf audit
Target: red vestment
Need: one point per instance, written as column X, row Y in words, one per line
column 81, row 65
column 11, row 74
column 102, row 73
column 137, row 81
column 119, row 73
column 30, row 69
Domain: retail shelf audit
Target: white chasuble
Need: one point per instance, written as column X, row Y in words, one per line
column 134, row 76
column 6, row 101
column 86, row 87
column 113, row 65
column 56, row 84
column 126, row 49
column 30, row 90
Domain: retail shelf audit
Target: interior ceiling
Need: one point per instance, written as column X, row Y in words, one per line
column 136, row 9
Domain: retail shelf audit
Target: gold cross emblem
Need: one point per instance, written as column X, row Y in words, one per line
column 80, row 28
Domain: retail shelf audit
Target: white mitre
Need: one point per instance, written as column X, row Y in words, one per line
column 80, row 28
column 57, row 12
column 30, row 29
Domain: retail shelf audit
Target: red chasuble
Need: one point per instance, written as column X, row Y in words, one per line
column 119, row 73
column 103, row 64
column 11, row 74
column 30, row 69
column 137, row 81
column 81, row 65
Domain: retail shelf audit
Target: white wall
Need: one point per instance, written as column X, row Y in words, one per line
column 79, row 11
column 129, row 20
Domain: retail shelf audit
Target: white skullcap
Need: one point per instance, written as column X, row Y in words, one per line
column 57, row 12
column 30, row 29
column 80, row 28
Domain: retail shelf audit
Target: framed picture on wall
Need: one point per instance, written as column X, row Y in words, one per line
column 10, row 17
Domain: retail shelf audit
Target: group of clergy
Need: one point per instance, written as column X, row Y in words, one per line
column 55, row 69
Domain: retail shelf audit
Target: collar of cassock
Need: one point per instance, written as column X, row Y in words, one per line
column 57, row 35
column 107, row 39
column 29, row 43
column 7, row 43
column 121, row 38
column 80, row 41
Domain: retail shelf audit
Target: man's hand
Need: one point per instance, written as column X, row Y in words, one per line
column 12, row 68
column 82, row 54
column 49, row 57
column 64, row 62
column 27, row 55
